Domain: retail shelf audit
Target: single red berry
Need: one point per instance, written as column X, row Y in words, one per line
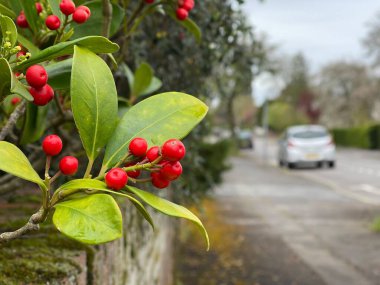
column 80, row 16
column 138, row 147
column 43, row 95
column 20, row 53
column 52, row 145
column 53, row 22
column 15, row 101
column 173, row 150
column 182, row 14
column 39, row 8
column 149, row 1
column 68, row 165
column 67, row 7
column 188, row 5
column 86, row 9
column 158, row 181
column 36, row 76
column 134, row 173
column 116, row 178
column 153, row 153
column 171, row 170
column 21, row 21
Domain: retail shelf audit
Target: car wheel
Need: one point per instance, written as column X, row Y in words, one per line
column 280, row 163
column 331, row 164
column 319, row 164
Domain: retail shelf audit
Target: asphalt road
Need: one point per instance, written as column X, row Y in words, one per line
column 307, row 226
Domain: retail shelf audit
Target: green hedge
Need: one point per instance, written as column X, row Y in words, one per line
column 367, row 137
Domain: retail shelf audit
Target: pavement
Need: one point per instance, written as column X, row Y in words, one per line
column 307, row 226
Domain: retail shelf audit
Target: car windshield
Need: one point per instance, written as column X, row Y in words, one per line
column 309, row 134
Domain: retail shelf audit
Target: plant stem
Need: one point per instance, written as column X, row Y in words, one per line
column 47, row 166
column 107, row 18
column 16, row 114
column 89, row 167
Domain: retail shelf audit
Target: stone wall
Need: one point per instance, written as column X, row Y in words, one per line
column 141, row 257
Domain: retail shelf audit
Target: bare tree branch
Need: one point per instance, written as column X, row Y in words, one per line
column 19, row 111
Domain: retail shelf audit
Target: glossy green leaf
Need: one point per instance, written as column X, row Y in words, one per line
column 20, row 89
column 93, row 100
column 170, row 209
column 154, row 85
column 96, row 44
column 7, row 25
column 142, row 79
column 13, row 161
column 29, row 8
column 15, row 6
column 28, row 45
column 6, row 11
column 5, row 78
column 93, row 184
column 60, row 74
column 189, row 25
column 94, row 25
column 34, row 124
column 157, row 119
column 93, row 219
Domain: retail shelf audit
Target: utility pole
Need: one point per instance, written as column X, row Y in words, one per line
column 265, row 128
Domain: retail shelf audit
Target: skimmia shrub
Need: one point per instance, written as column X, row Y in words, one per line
column 141, row 147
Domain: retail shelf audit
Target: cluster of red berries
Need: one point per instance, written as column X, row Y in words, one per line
column 53, row 22
column 184, row 7
column 37, row 78
column 52, row 146
column 166, row 166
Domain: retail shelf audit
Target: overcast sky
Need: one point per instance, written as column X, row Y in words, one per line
column 323, row 30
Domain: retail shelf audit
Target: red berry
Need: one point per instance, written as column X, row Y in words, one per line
column 153, row 153
column 15, row 101
column 53, row 22
column 20, row 53
column 134, row 173
column 171, row 170
column 138, row 147
column 42, row 96
column 21, row 21
column 36, row 76
column 86, row 9
column 188, row 5
column 173, row 150
column 158, row 181
column 116, row 178
column 182, row 14
column 149, row 1
column 39, row 8
column 52, row 145
column 67, row 7
column 80, row 16
column 68, row 165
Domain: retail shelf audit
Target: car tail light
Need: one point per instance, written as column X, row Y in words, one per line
column 290, row 144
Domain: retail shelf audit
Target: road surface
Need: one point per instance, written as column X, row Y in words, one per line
column 308, row 226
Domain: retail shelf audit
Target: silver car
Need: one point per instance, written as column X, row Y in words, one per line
column 306, row 144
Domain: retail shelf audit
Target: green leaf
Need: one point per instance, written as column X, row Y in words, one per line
column 54, row 5
column 189, row 25
column 31, row 14
column 60, row 74
column 126, row 71
column 157, row 119
column 96, row 44
column 28, row 45
column 7, row 25
column 20, row 89
column 155, row 84
column 170, row 209
column 142, row 79
column 93, row 100
column 6, row 11
column 5, row 78
column 93, row 184
column 93, row 219
column 34, row 124
column 94, row 25
column 13, row 161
